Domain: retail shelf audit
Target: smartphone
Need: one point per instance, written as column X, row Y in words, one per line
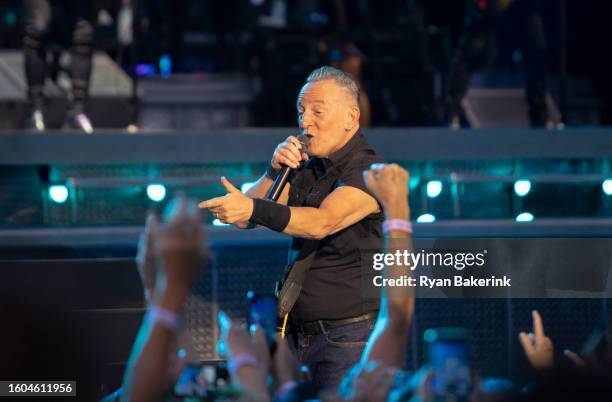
column 201, row 380
column 263, row 311
column 448, row 355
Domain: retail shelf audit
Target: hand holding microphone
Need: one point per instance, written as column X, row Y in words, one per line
column 290, row 152
column 288, row 155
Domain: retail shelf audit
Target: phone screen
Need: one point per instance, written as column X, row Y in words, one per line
column 263, row 311
column 199, row 380
column 450, row 363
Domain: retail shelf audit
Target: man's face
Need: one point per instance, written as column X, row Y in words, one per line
column 323, row 114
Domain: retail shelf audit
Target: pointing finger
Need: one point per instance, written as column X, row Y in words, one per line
column 229, row 186
column 213, row 202
column 538, row 327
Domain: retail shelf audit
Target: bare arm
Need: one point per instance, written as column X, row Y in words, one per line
column 342, row 208
column 262, row 186
column 180, row 251
column 146, row 372
column 388, row 340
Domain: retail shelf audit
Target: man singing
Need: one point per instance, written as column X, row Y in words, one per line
column 330, row 213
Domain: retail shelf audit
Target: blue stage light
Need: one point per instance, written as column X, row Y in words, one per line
column 165, row 65
column 156, row 192
column 434, row 188
column 426, row 218
column 607, row 186
column 246, row 186
column 522, row 187
column 58, row 193
column 524, row 217
column 217, row 222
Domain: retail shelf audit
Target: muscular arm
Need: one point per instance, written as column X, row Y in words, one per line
column 343, row 207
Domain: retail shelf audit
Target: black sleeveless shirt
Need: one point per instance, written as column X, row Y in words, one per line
column 334, row 284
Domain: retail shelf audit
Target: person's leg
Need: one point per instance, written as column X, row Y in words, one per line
column 470, row 48
column 331, row 355
column 38, row 17
column 534, row 49
column 81, row 49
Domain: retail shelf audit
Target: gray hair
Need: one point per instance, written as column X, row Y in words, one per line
column 343, row 79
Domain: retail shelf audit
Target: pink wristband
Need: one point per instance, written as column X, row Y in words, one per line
column 236, row 362
column 164, row 317
column 285, row 388
column 400, row 225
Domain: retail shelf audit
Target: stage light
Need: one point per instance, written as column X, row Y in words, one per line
column 426, row 218
column 217, row 222
column 58, row 193
column 524, row 217
column 165, row 65
column 10, row 18
column 146, row 70
column 522, row 187
column 430, row 335
column 246, row 186
column 434, row 188
column 156, row 192
column 607, row 186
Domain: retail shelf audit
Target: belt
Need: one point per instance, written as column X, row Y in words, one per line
column 320, row 326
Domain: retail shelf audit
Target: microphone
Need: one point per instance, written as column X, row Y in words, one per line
column 281, row 180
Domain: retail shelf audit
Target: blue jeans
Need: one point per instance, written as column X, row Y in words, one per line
column 330, row 355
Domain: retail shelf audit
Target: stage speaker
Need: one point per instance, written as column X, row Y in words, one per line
column 501, row 107
column 109, row 105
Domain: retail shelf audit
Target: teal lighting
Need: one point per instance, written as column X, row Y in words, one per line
column 156, row 192
column 430, row 335
column 217, row 222
column 607, row 186
column 426, row 218
column 58, row 193
column 522, row 187
column 524, row 217
column 246, row 186
column 434, row 188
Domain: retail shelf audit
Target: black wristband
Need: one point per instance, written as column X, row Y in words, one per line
column 270, row 214
column 272, row 173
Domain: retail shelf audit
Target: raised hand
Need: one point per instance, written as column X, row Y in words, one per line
column 249, row 351
column 538, row 347
column 389, row 184
column 145, row 257
column 373, row 382
column 181, row 248
column 285, row 368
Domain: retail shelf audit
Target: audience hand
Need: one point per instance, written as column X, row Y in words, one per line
column 537, row 346
column 285, row 368
column 373, row 382
column 389, row 184
column 181, row 250
column 145, row 257
column 236, row 343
